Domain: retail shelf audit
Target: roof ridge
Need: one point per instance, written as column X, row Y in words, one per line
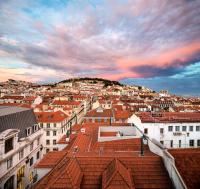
column 71, row 161
column 51, row 182
column 122, row 175
column 116, row 167
column 108, row 182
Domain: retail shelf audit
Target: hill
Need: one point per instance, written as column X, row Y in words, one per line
column 93, row 81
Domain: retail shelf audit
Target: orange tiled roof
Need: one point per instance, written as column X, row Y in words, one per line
column 108, row 134
column 12, row 97
column 169, row 117
column 187, row 162
column 76, row 127
column 125, row 114
column 117, row 176
column 104, row 113
column 147, row 171
column 70, row 176
column 29, row 98
column 66, row 103
column 50, row 159
column 62, row 140
column 50, row 117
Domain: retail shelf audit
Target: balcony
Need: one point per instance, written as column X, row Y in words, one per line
column 177, row 133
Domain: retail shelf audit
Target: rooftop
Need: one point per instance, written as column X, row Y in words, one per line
column 12, row 117
column 187, row 162
column 118, row 165
column 46, row 117
column 169, row 117
column 6, row 110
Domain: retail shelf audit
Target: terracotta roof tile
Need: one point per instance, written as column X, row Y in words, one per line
column 187, row 162
column 69, row 177
column 108, row 134
column 125, row 114
column 50, row 117
column 88, row 166
column 50, row 159
column 96, row 113
column 62, row 140
column 169, row 117
column 116, row 175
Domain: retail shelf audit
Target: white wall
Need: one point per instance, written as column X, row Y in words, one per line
column 167, row 136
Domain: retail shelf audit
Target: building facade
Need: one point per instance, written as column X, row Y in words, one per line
column 173, row 130
column 20, row 147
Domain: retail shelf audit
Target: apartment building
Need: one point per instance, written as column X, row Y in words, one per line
column 55, row 125
column 172, row 129
column 20, row 147
column 99, row 115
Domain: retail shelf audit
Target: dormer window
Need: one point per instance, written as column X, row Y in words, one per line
column 36, row 127
column 8, row 145
column 28, row 131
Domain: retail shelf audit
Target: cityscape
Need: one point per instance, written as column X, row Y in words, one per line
column 99, row 94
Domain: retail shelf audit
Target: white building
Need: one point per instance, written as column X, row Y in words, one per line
column 172, row 129
column 20, row 147
column 55, row 125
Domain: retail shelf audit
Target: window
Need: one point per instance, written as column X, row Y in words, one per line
column 20, row 175
column 54, row 124
column 145, row 131
column 171, row 143
column 38, row 141
column 21, row 154
column 8, row 145
column 179, row 143
column 54, row 133
column 28, row 131
column 191, row 128
column 170, row 128
column 197, row 128
column 184, row 128
column 55, row 149
column 198, row 142
column 38, row 155
column 35, row 127
column 47, row 142
column 54, row 142
column 162, row 142
column 9, row 162
column 31, row 162
column 48, row 125
column 161, row 130
column 48, row 133
column 9, row 183
column 41, row 125
column 177, row 128
column 47, row 150
column 31, row 146
column 191, row 143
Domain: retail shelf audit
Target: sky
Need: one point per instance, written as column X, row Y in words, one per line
column 155, row 43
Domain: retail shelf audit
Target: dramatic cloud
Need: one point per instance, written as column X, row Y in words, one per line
column 113, row 39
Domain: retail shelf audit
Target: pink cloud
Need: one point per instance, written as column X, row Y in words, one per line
column 176, row 57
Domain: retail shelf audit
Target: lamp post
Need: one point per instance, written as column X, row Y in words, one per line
column 142, row 145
